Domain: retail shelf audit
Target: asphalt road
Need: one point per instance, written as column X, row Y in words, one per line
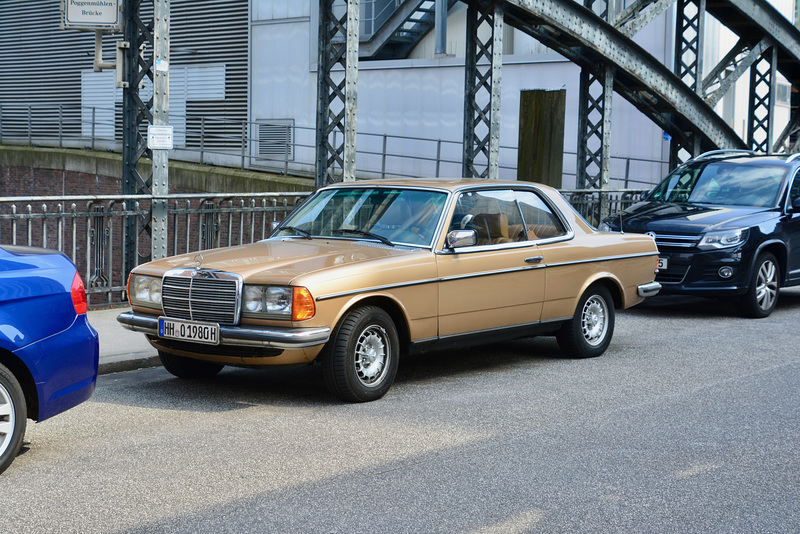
column 689, row 423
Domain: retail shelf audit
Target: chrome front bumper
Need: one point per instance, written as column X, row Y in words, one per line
column 247, row 336
column 649, row 290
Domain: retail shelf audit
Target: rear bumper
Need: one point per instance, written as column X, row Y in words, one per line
column 64, row 367
column 649, row 290
column 245, row 336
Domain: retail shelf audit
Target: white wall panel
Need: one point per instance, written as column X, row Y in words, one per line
column 280, row 9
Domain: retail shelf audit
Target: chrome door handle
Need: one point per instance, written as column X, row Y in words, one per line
column 534, row 259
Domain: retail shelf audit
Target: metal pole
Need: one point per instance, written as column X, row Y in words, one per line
column 351, row 92
column 158, row 207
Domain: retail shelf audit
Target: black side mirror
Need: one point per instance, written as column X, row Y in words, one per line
column 796, row 204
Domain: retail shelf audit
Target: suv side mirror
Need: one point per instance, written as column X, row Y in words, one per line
column 796, row 204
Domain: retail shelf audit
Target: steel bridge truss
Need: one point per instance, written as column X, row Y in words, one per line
column 681, row 102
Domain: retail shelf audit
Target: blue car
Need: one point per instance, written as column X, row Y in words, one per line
column 48, row 351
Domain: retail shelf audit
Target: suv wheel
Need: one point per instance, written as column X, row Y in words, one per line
column 762, row 291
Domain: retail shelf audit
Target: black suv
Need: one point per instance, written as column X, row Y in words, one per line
column 727, row 224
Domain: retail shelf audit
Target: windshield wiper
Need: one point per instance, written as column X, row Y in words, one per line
column 303, row 233
column 380, row 238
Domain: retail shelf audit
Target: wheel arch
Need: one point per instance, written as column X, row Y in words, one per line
column 390, row 306
column 25, row 379
column 778, row 249
column 611, row 283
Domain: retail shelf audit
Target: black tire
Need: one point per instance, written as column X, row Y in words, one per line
column 589, row 332
column 762, row 288
column 13, row 417
column 360, row 360
column 188, row 367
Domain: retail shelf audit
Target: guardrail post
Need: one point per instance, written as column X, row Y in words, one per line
column 30, row 125
column 94, row 111
column 244, row 141
column 202, row 139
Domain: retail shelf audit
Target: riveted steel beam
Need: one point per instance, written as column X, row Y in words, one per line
column 337, row 78
column 137, row 65
column 591, row 42
column 761, row 116
column 640, row 14
column 482, row 85
column 735, row 63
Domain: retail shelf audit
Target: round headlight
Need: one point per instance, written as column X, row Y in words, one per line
column 155, row 291
column 253, row 299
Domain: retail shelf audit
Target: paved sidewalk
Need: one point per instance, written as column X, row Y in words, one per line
column 120, row 349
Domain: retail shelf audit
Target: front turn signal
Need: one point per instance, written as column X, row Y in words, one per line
column 302, row 304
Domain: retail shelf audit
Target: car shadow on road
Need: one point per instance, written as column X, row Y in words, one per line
column 687, row 307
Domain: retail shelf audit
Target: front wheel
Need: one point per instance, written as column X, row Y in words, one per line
column 762, row 291
column 360, row 360
column 13, row 417
column 188, row 367
column 588, row 333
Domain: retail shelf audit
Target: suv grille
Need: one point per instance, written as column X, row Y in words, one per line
column 201, row 296
column 677, row 241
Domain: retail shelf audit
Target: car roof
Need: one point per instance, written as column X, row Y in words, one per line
column 746, row 157
column 451, row 184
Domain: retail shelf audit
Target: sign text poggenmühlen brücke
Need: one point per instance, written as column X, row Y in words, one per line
column 92, row 14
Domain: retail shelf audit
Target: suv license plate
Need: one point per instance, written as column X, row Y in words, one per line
column 194, row 331
column 662, row 263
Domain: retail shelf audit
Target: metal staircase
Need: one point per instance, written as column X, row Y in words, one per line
column 390, row 29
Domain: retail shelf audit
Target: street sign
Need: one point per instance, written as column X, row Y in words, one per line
column 92, row 14
column 159, row 137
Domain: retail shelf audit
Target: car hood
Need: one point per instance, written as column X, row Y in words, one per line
column 690, row 219
column 282, row 260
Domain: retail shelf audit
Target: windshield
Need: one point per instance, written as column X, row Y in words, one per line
column 392, row 216
column 724, row 183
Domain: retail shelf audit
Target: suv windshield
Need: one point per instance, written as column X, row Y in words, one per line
column 726, row 183
column 389, row 215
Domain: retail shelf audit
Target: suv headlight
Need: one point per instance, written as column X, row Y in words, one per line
column 724, row 238
column 144, row 290
column 277, row 302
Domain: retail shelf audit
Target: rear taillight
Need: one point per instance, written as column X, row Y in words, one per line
column 78, row 294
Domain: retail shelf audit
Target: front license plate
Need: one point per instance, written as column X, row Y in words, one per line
column 194, row 331
column 662, row 263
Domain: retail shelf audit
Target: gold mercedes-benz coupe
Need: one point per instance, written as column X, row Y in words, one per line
column 363, row 272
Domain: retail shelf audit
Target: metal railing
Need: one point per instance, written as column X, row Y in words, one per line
column 290, row 150
column 92, row 230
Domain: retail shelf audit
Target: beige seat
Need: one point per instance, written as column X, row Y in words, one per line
column 492, row 228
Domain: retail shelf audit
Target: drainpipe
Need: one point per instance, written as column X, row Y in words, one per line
column 440, row 29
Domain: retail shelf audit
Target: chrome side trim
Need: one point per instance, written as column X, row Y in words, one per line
column 248, row 335
column 608, row 258
column 649, row 290
column 376, row 288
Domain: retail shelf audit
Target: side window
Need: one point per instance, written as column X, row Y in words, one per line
column 491, row 213
column 539, row 222
column 794, row 192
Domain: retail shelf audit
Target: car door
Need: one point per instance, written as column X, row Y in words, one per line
column 792, row 221
column 500, row 281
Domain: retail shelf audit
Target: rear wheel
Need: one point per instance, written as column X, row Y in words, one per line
column 762, row 291
column 360, row 360
column 13, row 417
column 589, row 332
column 188, row 367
